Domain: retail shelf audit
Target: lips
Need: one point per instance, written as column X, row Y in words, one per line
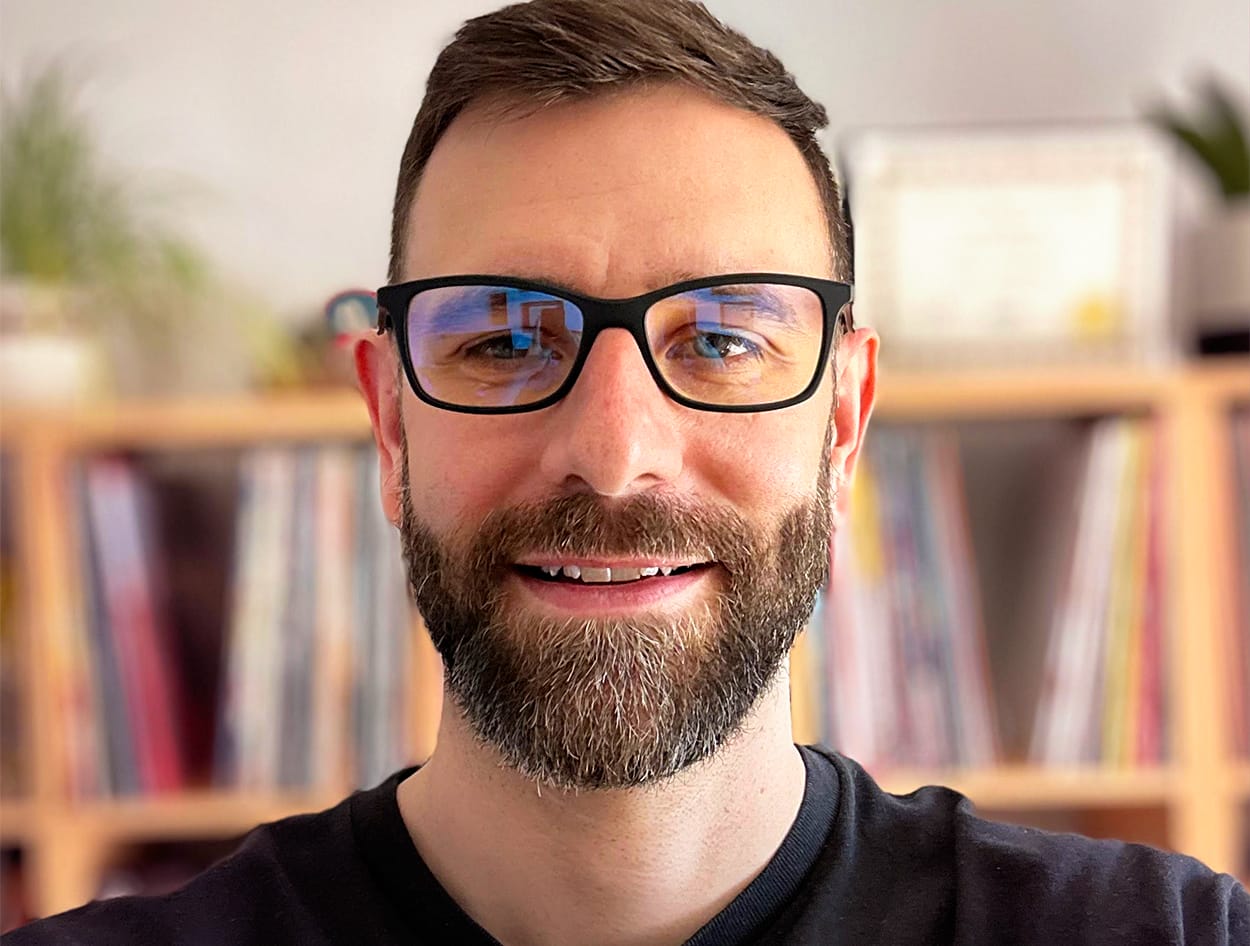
column 564, row 597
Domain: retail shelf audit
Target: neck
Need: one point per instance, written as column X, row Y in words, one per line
column 531, row 864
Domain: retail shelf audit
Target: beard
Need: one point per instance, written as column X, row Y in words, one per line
column 616, row 702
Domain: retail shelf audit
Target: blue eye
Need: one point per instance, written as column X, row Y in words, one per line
column 720, row 346
column 512, row 346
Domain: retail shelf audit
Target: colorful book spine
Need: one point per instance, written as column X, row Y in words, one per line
column 297, row 629
column 319, row 649
column 906, row 665
column 1103, row 700
column 334, row 660
column 1240, row 436
column 121, row 524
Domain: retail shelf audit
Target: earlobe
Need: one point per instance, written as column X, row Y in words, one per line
column 857, row 395
column 377, row 376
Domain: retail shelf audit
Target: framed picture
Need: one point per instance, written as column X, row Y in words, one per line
column 1014, row 246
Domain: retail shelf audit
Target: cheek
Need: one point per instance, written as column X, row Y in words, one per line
column 459, row 466
column 765, row 462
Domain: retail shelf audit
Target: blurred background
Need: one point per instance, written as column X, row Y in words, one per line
column 1042, row 594
column 287, row 122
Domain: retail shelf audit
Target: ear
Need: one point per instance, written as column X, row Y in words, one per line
column 857, row 393
column 378, row 374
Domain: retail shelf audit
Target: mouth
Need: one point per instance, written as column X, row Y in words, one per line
column 605, row 588
column 601, row 586
column 597, row 574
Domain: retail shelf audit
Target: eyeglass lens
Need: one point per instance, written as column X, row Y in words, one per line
column 501, row 346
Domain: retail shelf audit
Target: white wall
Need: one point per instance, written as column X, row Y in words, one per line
column 281, row 122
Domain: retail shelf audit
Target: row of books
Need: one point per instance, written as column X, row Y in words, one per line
column 317, row 663
column 896, row 643
column 320, row 643
column 316, row 656
column 116, row 679
column 1104, row 694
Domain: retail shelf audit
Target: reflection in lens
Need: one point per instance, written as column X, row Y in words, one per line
column 748, row 344
column 492, row 346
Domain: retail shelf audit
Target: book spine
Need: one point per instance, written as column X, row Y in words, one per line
column 296, row 651
column 80, row 688
column 970, row 679
column 1107, row 732
column 104, row 490
column 333, row 660
column 1054, row 735
column 228, row 748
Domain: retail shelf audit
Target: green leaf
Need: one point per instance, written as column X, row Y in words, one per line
column 1215, row 136
column 1230, row 140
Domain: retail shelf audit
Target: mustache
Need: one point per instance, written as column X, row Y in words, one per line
column 642, row 526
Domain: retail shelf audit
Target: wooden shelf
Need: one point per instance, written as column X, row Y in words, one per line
column 18, row 821
column 225, row 814
column 340, row 413
column 1030, row 787
column 1226, row 378
column 316, row 415
column 189, row 815
column 1053, row 392
column 185, row 816
column 1241, row 782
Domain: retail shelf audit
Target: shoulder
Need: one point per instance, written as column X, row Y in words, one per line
column 258, row 894
column 1100, row 890
column 987, row 880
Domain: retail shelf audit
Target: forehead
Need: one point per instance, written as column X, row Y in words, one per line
column 617, row 195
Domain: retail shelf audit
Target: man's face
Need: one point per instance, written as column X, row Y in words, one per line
column 608, row 685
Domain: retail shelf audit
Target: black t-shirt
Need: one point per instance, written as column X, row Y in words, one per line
column 858, row 866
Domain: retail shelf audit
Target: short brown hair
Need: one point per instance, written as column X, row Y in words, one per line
column 537, row 54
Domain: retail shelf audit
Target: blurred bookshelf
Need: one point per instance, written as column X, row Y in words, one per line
column 1186, row 785
column 69, row 835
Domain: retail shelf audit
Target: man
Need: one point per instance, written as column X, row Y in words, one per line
column 617, row 395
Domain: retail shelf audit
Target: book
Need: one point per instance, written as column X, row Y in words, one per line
column 299, row 623
column 1126, row 596
column 130, row 602
column 77, row 689
column 334, row 663
column 319, row 648
column 956, row 562
column 120, row 774
column 1151, row 716
column 248, row 733
column 1239, row 434
column 1102, row 699
column 903, row 645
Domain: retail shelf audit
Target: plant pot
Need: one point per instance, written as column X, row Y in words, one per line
column 43, row 361
column 1221, row 300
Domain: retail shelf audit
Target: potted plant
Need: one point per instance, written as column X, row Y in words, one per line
column 98, row 295
column 1216, row 136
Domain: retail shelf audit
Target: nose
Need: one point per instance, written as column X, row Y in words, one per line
column 616, row 432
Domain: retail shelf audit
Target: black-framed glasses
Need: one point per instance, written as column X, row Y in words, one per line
column 497, row 345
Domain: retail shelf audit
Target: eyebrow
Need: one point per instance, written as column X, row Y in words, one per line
column 779, row 310
column 461, row 312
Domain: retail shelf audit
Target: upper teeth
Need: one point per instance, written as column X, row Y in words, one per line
column 597, row 575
